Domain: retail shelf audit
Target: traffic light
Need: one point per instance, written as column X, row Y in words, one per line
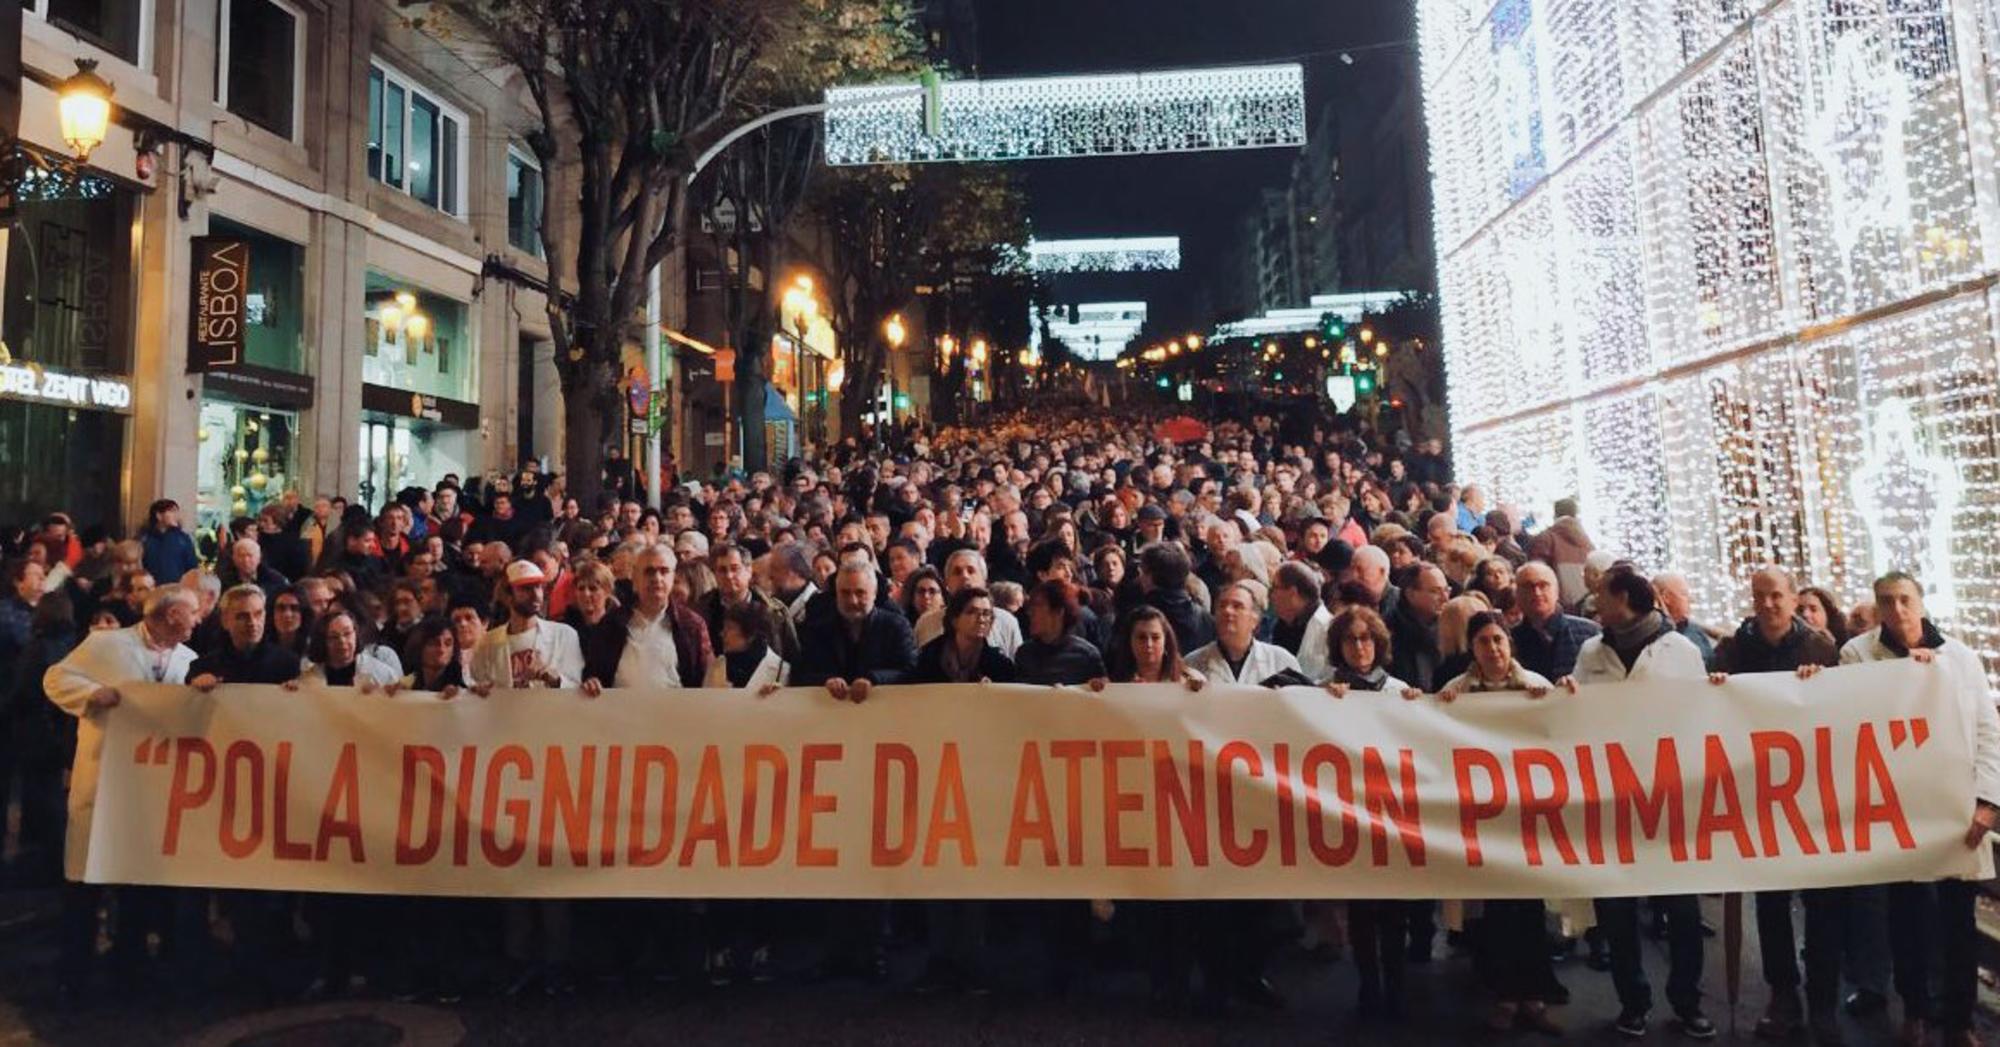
column 1364, row 383
column 1332, row 327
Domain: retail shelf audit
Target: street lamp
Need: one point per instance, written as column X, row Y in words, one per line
column 894, row 332
column 83, row 103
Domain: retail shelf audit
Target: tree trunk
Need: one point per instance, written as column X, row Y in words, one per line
column 588, row 394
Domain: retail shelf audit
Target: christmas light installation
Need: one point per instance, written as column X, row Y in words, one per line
column 1349, row 307
column 1195, row 110
column 1132, row 254
column 1724, row 272
column 1100, row 332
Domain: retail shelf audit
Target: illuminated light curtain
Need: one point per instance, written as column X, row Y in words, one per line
column 1733, row 255
column 1248, row 107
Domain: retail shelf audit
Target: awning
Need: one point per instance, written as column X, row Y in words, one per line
column 775, row 407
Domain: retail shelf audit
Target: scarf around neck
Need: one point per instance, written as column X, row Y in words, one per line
column 741, row 664
column 1627, row 641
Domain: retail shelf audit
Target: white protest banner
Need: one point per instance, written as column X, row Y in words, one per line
column 1861, row 775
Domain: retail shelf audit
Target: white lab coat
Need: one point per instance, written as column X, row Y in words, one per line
column 1982, row 720
column 1006, row 634
column 112, row 658
column 561, row 653
column 367, row 668
column 1266, row 660
column 1312, row 648
column 797, row 608
column 772, row 670
column 1671, row 657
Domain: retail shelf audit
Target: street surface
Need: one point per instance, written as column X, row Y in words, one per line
column 1113, row 1009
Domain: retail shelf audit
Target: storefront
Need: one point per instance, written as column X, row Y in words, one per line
column 65, row 366
column 419, row 415
column 248, row 435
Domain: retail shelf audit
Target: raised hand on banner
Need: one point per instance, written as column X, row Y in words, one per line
column 1445, row 696
column 290, row 685
column 1537, row 691
column 1809, row 670
column 1411, row 694
column 104, row 698
column 1567, row 683
column 447, row 692
column 389, row 689
column 481, row 689
column 205, row 683
column 1718, row 679
column 1194, row 680
column 366, row 686
column 591, row 688
column 1096, row 683
column 1984, row 818
column 767, row 690
column 1923, row 655
column 1336, row 688
column 837, row 687
column 857, row 692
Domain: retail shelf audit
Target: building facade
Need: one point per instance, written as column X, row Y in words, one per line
column 1727, row 271
column 369, row 193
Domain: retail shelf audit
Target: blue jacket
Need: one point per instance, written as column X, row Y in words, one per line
column 168, row 554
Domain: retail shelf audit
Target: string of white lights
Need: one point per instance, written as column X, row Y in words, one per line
column 1194, row 110
column 1132, row 254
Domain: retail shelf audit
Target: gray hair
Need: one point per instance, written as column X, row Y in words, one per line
column 162, row 599
column 1371, row 556
column 237, row 594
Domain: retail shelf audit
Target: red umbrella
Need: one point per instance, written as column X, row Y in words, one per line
column 1182, row 430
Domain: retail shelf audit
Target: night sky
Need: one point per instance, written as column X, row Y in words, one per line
column 1199, row 197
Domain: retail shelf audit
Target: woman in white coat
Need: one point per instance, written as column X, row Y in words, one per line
column 334, row 657
column 1237, row 656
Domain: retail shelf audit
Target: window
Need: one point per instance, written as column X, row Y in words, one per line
column 524, row 203
column 114, row 25
column 415, row 141
column 274, row 301
column 257, row 63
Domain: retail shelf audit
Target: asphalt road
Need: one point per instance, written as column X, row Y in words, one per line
column 1111, row 1008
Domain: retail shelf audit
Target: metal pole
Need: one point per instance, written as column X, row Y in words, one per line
column 655, row 358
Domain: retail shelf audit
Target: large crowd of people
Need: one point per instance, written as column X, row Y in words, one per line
column 1071, row 549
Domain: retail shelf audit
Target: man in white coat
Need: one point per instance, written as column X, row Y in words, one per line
column 1640, row 643
column 1932, row 933
column 968, row 567
column 85, row 685
column 528, row 650
column 1302, row 616
column 1237, row 656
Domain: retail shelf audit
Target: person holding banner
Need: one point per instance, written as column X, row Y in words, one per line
column 1512, row 932
column 1775, row 639
column 1054, row 654
column 965, row 653
column 85, row 684
column 334, row 657
column 1359, row 651
column 867, row 644
column 1933, row 930
column 528, row 651
column 1639, row 643
column 1237, row 656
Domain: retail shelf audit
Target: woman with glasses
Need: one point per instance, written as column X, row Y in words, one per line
column 965, row 652
column 1513, row 934
column 291, row 622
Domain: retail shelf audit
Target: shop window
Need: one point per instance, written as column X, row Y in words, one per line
column 114, row 25
column 247, row 460
column 69, row 284
column 416, row 341
column 274, row 302
column 415, row 142
column 524, row 203
column 60, row 458
column 258, row 70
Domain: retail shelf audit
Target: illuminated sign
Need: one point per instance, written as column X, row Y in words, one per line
column 41, row 385
column 221, row 275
